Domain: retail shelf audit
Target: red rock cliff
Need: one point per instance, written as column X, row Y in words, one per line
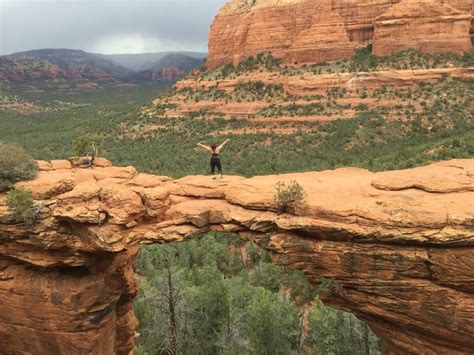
column 308, row 31
column 401, row 245
column 425, row 25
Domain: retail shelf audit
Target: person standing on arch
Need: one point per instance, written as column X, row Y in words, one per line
column 215, row 160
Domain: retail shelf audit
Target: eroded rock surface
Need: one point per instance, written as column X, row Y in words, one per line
column 399, row 245
column 425, row 25
column 308, row 31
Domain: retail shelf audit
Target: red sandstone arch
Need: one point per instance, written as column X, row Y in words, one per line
column 400, row 243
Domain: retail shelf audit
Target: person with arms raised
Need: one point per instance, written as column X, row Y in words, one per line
column 215, row 160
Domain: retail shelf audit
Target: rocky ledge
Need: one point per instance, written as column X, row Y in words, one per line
column 398, row 245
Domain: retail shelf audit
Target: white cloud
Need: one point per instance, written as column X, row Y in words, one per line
column 118, row 26
column 126, row 44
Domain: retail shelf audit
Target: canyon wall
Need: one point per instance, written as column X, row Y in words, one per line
column 309, row 31
column 426, row 26
column 399, row 247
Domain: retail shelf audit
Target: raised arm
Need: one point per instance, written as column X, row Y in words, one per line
column 205, row 147
column 219, row 148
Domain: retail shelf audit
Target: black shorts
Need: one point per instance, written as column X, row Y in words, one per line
column 215, row 162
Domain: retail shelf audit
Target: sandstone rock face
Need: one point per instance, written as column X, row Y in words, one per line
column 308, row 31
column 424, row 25
column 400, row 244
column 297, row 31
column 359, row 17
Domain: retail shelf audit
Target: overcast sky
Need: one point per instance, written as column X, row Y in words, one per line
column 106, row 26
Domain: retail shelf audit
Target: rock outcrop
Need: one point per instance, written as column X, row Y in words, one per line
column 423, row 25
column 398, row 245
column 298, row 31
column 308, row 31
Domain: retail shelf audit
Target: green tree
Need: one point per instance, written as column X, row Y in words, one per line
column 272, row 325
column 335, row 332
column 21, row 203
column 15, row 165
column 288, row 196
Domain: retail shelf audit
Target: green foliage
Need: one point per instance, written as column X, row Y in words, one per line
column 15, row 165
column 367, row 141
column 272, row 324
column 20, row 202
column 292, row 110
column 258, row 90
column 221, row 306
column 288, row 196
column 335, row 332
column 227, row 70
column 327, row 287
column 363, row 60
column 5, row 185
column 161, row 108
column 263, row 61
column 67, row 115
column 87, row 145
column 423, row 134
column 80, row 146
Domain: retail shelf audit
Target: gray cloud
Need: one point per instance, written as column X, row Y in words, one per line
column 106, row 26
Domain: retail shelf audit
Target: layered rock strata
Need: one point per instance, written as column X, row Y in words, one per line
column 399, row 247
column 423, row 25
column 302, row 87
column 309, row 31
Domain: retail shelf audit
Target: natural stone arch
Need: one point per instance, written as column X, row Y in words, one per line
column 399, row 243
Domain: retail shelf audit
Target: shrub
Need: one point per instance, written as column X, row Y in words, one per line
column 227, row 70
column 288, row 197
column 327, row 287
column 20, row 202
column 87, row 144
column 80, row 146
column 5, row 185
column 15, row 165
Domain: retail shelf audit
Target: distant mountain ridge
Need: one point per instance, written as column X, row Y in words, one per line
column 145, row 61
column 181, row 61
column 76, row 60
column 172, row 67
column 70, row 68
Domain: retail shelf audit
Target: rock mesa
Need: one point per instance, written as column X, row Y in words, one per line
column 400, row 244
column 308, row 31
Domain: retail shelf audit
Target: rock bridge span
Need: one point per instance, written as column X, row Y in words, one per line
column 400, row 243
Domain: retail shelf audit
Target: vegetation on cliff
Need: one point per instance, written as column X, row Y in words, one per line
column 288, row 197
column 15, row 165
column 362, row 61
column 21, row 204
